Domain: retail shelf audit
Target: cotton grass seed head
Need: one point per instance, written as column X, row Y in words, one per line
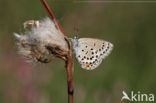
column 43, row 39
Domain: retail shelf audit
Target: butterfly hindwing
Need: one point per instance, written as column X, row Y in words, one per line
column 90, row 52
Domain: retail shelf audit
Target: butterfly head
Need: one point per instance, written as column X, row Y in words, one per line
column 75, row 40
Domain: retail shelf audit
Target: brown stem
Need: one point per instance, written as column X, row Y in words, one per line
column 69, row 61
column 70, row 70
column 52, row 16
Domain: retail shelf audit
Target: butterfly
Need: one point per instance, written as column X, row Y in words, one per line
column 90, row 51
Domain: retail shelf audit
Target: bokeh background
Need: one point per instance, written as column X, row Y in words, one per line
column 130, row 26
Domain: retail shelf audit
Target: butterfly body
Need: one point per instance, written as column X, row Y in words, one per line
column 90, row 52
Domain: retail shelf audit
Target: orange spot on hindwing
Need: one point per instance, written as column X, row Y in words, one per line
column 87, row 64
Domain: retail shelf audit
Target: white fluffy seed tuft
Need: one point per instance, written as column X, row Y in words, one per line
column 34, row 43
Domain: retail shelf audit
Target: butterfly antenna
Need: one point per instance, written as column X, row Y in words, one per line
column 76, row 30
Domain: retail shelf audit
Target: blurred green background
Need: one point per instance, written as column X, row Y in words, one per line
column 131, row 27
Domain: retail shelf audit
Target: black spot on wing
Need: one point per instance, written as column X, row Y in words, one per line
column 94, row 44
column 96, row 56
column 96, row 51
column 87, row 52
column 92, row 53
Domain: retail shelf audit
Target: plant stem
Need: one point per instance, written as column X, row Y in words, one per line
column 69, row 61
column 46, row 6
column 70, row 70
